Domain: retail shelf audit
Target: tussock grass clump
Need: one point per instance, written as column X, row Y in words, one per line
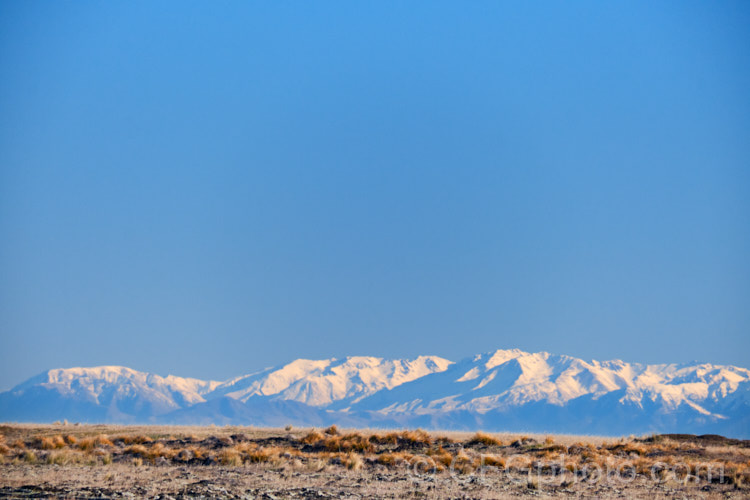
column 136, row 449
column 190, row 453
column 627, row 449
column 198, row 452
column 391, row 459
column 312, row 437
column 231, row 457
column 389, row 438
column 133, row 439
column 29, row 457
column 440, row 456
column 416, row 437
column 102, row 440
column 485, row 439
column 90, row 443
column 251, row 453
column 559, row 448
column 86, row 444
column 332, row 431
column 463, row 464
column 492, row 461
column 263, row 454
column 352, row 461
column 339, row 443
column 64, row 457
column 158, row 450
column 348, row 442
column 244, row 448
column 50, row 443
column 643, row 466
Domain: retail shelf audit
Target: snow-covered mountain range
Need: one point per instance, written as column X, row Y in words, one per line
column 507, row 390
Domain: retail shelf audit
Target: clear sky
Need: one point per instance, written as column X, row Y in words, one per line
column 208, row 188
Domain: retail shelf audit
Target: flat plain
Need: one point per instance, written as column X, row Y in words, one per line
column 108, row 461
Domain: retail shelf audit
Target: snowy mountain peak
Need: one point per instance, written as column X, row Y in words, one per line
column 111, row 392
column 95, row 380
column 322, row 382
column 507, row 389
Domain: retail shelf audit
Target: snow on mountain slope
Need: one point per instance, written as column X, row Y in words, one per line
column 505, row 379
column 97, row 380
column 322, row 382
column 120, row 392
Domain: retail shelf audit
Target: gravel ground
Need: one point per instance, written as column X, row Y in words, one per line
column 258, row 482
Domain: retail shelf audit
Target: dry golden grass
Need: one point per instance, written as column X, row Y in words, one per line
column 136, row 449
column 264, row 454
column 198, row 452
column 403, row 438
column 347, row 443
column 485, row 439
column 67, row 456
column 442, row 460
column 90, row 443
column 390, row 438
column 312, row 437
column 352, row 461
column 391, row 459
column 133, row 439
column 492, row 461
column 231, row 457
column 629, row 448
column 462, row 463
column 159, row 450
column 50, row 443
column 416, row 437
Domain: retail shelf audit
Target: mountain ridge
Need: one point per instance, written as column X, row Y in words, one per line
column 506, row 389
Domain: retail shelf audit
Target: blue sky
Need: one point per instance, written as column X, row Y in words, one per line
column 206, row 189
